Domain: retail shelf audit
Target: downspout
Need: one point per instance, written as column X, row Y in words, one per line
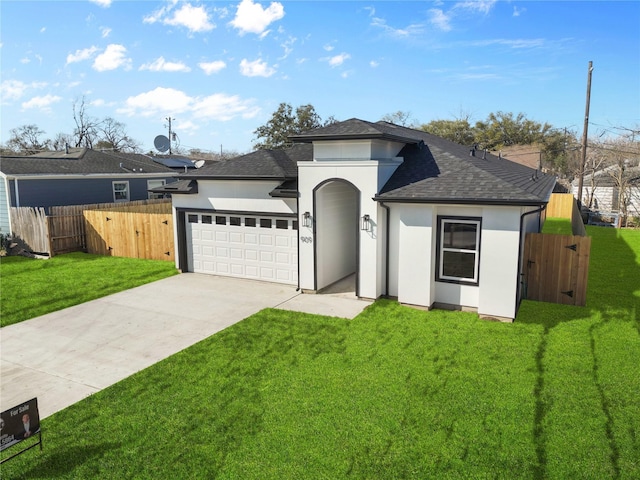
column 386, row 249
column 17, row 192
column 520, row 248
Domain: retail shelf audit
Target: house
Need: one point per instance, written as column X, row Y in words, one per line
column 405, row 213
column 606, row 186
column 76, row 176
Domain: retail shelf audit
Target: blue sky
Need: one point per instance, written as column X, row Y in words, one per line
column 219, row 69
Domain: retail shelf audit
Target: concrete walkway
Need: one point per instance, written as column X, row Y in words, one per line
column 65, row 356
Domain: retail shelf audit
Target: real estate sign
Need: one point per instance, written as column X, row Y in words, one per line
column 19, row 423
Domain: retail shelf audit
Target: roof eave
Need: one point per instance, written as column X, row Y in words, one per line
column 463, row 201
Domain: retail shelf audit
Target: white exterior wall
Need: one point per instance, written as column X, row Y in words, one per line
column 412, row 258
column 245, row 196
column 336, row 212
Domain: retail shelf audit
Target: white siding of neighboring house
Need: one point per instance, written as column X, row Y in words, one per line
column 5, row 222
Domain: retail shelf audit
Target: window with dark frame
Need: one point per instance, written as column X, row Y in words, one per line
column 207, row 219
column 294, row 224
column 193, row 218
column 458, row 250
column 220, row 220
column 265, row 223
column 235, row 221
column 282, row 224
column 249, row 222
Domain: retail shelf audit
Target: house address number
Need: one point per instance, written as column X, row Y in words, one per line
column 306, row 239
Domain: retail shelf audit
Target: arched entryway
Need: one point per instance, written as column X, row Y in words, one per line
column 336, row 204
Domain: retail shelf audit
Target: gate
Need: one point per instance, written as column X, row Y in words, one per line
column 556, row 268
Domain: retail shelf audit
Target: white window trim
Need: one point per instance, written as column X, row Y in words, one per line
column 113, row 188
column 440, row 277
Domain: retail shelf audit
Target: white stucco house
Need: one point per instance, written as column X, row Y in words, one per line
column 407, row 214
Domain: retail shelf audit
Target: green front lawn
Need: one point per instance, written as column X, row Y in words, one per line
column 31, row 287
column 395, row 393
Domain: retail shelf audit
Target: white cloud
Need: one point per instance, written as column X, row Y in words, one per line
column 102, row 3
column 410, row 30
column 518, row 11
column 212, row 67
column 105, row 32
column 195, row 19
column 42, row 103
column 374, row 64
column 81, row 55
column 219, row 106
column 440, row 20
column 480, row 6
column 287, row 45
column 328, row 47
column 161, row 65
column 224, row 107
column 338, row 60
column 157, row 101
column 257, row 68
column 252, row 18
column 25, row 60
column 12, row 89
column 43, row 29
column 114, row 56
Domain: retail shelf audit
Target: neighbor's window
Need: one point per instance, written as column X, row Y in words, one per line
column 458, row 250
column 155, row 184
column 120, row 191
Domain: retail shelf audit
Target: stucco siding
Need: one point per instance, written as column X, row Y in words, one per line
column 245, row 196
column 336, row 211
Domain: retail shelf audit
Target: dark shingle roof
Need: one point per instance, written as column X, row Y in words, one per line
column 355, row 129
column 80, row 161
column 261, row 164
column 438, row 170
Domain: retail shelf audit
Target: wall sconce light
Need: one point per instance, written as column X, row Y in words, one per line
column 365, row 223
column 306, row 219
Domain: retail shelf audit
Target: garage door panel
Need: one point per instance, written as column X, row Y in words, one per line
column 226, row 247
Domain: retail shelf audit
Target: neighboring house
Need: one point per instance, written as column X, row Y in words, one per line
column 77, row 176
column 607, row 196
column 408, row 214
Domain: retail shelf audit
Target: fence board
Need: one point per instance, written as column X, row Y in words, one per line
column 557, row 268
column 30, row 226
column 560, row 205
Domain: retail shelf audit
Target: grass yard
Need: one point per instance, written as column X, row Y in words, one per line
column 395, row 393
column 31, row 287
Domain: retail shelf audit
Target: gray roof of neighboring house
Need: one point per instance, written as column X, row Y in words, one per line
column 434, row 170
column 607, row 178
column 81, row 161
column 258, row 165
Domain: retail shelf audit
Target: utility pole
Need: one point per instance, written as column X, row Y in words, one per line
column 168, row 119
column 583, row 160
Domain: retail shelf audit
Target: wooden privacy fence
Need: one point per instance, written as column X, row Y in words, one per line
column 30, row 228
column 146, row 232
column 64, row 229
column 556, row 268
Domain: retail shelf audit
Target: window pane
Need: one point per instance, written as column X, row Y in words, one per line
column 249, row 222
column 206, row 218
column 458, row 264
column 221, row 220
column 265, row 223
column 460, row 235
column 295, row 224
column 282, row 224
column 193, row 218
column 234, row 221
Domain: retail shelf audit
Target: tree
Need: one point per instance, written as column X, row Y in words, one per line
column 26, row 140
column 502, row 129
column 283, row 123
column 114, row 137
column 61, row 140
column 459, row 130
column 86, row 131
column 400, row 118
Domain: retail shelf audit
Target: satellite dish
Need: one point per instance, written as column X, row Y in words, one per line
column 161, row 143
column 199, row 163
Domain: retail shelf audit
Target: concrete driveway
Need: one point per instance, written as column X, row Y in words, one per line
column 65, row 356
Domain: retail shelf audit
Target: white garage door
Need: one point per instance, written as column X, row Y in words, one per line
column 256, row 247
